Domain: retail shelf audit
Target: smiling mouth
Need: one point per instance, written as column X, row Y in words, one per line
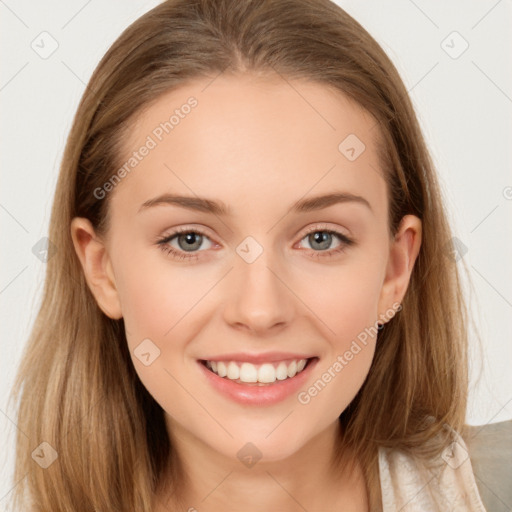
column 265, row 374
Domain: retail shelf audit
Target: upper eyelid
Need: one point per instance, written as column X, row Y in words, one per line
column 325, row 227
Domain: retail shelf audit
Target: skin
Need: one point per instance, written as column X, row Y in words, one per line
column 258, row 145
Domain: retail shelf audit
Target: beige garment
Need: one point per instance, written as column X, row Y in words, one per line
column 451, row 487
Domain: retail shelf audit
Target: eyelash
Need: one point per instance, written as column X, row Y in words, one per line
column 164, row 243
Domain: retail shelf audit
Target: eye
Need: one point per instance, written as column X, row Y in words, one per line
column 321, row 239
column 188, row 240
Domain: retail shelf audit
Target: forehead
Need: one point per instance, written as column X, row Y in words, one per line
column 251, row 141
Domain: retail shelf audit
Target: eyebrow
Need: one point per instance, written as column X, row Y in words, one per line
column 202, row 204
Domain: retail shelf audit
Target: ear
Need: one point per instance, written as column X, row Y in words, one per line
column 403, row 252
column 97, row 266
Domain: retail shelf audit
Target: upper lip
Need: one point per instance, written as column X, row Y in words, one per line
column 268, row 357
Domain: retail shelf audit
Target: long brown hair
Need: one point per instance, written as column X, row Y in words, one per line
column 76, row 385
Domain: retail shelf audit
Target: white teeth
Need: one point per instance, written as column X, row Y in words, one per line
column 266, row 373
column 248, row 372
column 221, row 369
column 282, row 371
column 233, row 371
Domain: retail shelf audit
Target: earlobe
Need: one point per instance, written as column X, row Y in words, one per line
column 97, row 266
column 403, row 253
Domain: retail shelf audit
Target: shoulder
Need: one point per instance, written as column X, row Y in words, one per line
column 447, row 483
column 490, row 450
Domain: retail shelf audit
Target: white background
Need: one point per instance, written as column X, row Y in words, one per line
column 464, row 105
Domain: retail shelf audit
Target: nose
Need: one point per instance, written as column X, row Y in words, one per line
column 258, row 299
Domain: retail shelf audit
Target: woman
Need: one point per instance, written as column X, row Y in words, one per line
column 201, row 350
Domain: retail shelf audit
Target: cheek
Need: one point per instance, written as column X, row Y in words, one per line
column 157, row 308
column 350, row 315
column 345, row 300
column 155, row 298
column 162, row 305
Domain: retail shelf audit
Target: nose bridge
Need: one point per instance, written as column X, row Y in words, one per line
column 259, row 299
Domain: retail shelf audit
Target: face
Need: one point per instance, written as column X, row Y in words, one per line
column 265, row 278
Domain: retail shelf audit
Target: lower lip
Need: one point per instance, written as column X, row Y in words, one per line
column 251, row 394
